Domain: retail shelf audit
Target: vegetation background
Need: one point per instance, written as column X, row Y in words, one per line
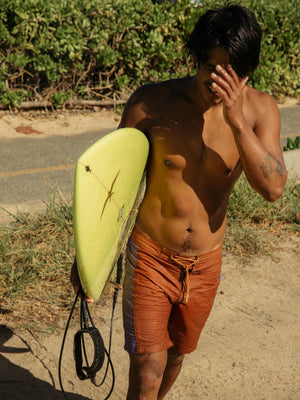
column 103, row 49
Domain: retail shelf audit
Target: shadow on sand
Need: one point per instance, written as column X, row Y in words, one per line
column 17, row 383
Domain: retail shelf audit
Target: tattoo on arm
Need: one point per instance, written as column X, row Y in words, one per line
column 267, row 168
column 279, row 169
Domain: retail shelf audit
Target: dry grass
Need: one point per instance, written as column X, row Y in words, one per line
column 255, row 225
column 36, row 254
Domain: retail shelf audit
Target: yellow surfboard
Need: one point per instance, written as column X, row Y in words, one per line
column 107, row 180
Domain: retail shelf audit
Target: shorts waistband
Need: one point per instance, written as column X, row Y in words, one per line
column 163, row 252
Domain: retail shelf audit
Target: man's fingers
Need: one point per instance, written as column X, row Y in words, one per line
column 89, row 300
column 233, row 74
column 75, row 281
column 223, row 92
column 220, row 82
column 227, row 76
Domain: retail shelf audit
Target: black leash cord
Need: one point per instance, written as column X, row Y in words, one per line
column 88, row 372
column 63, row 344
column 115, row 297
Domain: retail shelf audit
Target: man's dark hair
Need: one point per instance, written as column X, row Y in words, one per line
column 233, row 28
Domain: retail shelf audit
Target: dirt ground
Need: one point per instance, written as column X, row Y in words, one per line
column 249, row 349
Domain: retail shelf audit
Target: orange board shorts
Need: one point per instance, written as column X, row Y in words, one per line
column 167, row 298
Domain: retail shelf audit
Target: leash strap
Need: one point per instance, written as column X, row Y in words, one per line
column 88, row 372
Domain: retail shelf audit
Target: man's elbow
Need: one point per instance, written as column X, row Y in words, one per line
column 275, row 192
column 272, row 196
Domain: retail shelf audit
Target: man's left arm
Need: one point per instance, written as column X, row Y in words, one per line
column 259, row 147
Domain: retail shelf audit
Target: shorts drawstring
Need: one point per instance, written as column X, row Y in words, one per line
column 186, row 264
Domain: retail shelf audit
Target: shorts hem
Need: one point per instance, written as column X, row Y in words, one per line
column 151, row 349
column 185, row 350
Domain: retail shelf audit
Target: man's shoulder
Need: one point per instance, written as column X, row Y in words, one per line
column 259, row 99
column 161, row 88
column 262, row 110
column 259, row 104
column 152, row 99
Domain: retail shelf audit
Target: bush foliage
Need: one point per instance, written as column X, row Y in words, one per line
column 96, row 49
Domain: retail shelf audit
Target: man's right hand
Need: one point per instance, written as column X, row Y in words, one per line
column 75, row 281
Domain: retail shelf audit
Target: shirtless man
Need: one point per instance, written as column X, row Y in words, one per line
column 203, row 131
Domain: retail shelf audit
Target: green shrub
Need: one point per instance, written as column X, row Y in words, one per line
column 112, row 46
column 292, row 144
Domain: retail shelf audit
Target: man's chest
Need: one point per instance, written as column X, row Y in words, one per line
column 194, row 145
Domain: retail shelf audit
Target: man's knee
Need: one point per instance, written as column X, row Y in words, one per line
column 146, row 372
column 152, row 364
column 175, row 358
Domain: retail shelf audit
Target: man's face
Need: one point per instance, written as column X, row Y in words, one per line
column 216, row 56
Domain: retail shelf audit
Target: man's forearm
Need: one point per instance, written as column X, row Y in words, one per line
column 265, row 173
